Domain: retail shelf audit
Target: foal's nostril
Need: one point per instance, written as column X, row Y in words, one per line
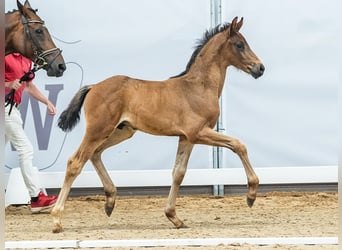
column 62, row 67
column 262, row 68
column 257, row 70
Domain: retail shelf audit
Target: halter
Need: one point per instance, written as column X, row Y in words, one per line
column 39, row 61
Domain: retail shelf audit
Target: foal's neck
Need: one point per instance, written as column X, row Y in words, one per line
column 210, row 66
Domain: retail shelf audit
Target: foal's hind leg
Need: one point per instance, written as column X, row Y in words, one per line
column 90, row 142
column 210, row 137
column 110, row 190
column 179, row 170
column 75, row 165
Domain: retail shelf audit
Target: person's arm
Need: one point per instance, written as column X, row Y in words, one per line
column 33, row 91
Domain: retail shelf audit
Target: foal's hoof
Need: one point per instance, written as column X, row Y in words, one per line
column 57, row 229
column 109, row 210
column 182, row 225
column 250, row 202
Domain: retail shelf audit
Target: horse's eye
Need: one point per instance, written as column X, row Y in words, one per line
column 240, row 45
column 39, row 31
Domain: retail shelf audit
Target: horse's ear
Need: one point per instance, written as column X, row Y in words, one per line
column 20, row 6
column 239, row 24
column 27, row 4
column 235, row 25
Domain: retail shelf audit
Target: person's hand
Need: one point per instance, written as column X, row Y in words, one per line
column 51, row 108
column 15, row 84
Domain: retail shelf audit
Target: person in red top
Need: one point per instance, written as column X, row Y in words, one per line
column 16, row 66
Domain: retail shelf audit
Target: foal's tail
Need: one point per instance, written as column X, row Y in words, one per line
column 71, row 116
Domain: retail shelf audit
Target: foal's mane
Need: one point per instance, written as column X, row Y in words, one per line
column 208, row 34
column 14, row 10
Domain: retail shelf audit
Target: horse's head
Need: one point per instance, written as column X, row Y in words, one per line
column 36, row 42
column 241, row 55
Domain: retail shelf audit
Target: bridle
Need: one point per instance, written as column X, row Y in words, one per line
column 39, row 61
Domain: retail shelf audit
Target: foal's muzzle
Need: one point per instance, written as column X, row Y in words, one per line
column 257, row 70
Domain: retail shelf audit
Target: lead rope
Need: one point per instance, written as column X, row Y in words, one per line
column 28, row 76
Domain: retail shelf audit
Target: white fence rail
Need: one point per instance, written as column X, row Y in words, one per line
column 198, row 177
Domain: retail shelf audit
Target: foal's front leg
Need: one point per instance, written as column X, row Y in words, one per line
column 179, row 170
column 210, row 137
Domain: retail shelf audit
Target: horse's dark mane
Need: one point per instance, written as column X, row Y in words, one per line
column 14, row 10
column 201, row 43
column 11, row 11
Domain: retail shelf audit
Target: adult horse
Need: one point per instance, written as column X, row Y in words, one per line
column 186, row 106
column 26, row 34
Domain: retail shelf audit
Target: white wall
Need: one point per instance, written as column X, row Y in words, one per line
column 289, row 116
column 149, row 40
column 286, row 118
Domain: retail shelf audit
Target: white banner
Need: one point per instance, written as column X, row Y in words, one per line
column 143, row 39
column 288, row 117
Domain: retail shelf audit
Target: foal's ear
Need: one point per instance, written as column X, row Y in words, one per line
column 27, row 4
column 239, row 24
column 235, row 25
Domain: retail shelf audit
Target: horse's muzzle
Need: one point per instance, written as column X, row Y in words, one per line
column 257, row 70
column 56, row 70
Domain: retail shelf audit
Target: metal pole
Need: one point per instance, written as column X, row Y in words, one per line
column 216, row 19
column 215, row 12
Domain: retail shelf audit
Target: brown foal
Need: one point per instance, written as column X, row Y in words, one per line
column 186, row 106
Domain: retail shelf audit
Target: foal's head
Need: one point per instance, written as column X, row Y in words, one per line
column 239, row 53
column 27, row 35
column 228, row 47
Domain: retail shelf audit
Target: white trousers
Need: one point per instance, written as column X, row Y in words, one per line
column 15, row 133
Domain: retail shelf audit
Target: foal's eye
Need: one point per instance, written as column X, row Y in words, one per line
column 39, row 31
column 240, row 45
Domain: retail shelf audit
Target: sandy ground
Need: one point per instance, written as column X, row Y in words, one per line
column 277, row 214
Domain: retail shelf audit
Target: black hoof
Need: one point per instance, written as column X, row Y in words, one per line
column 109, row 210
column 250, row 202
column 182, row 226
